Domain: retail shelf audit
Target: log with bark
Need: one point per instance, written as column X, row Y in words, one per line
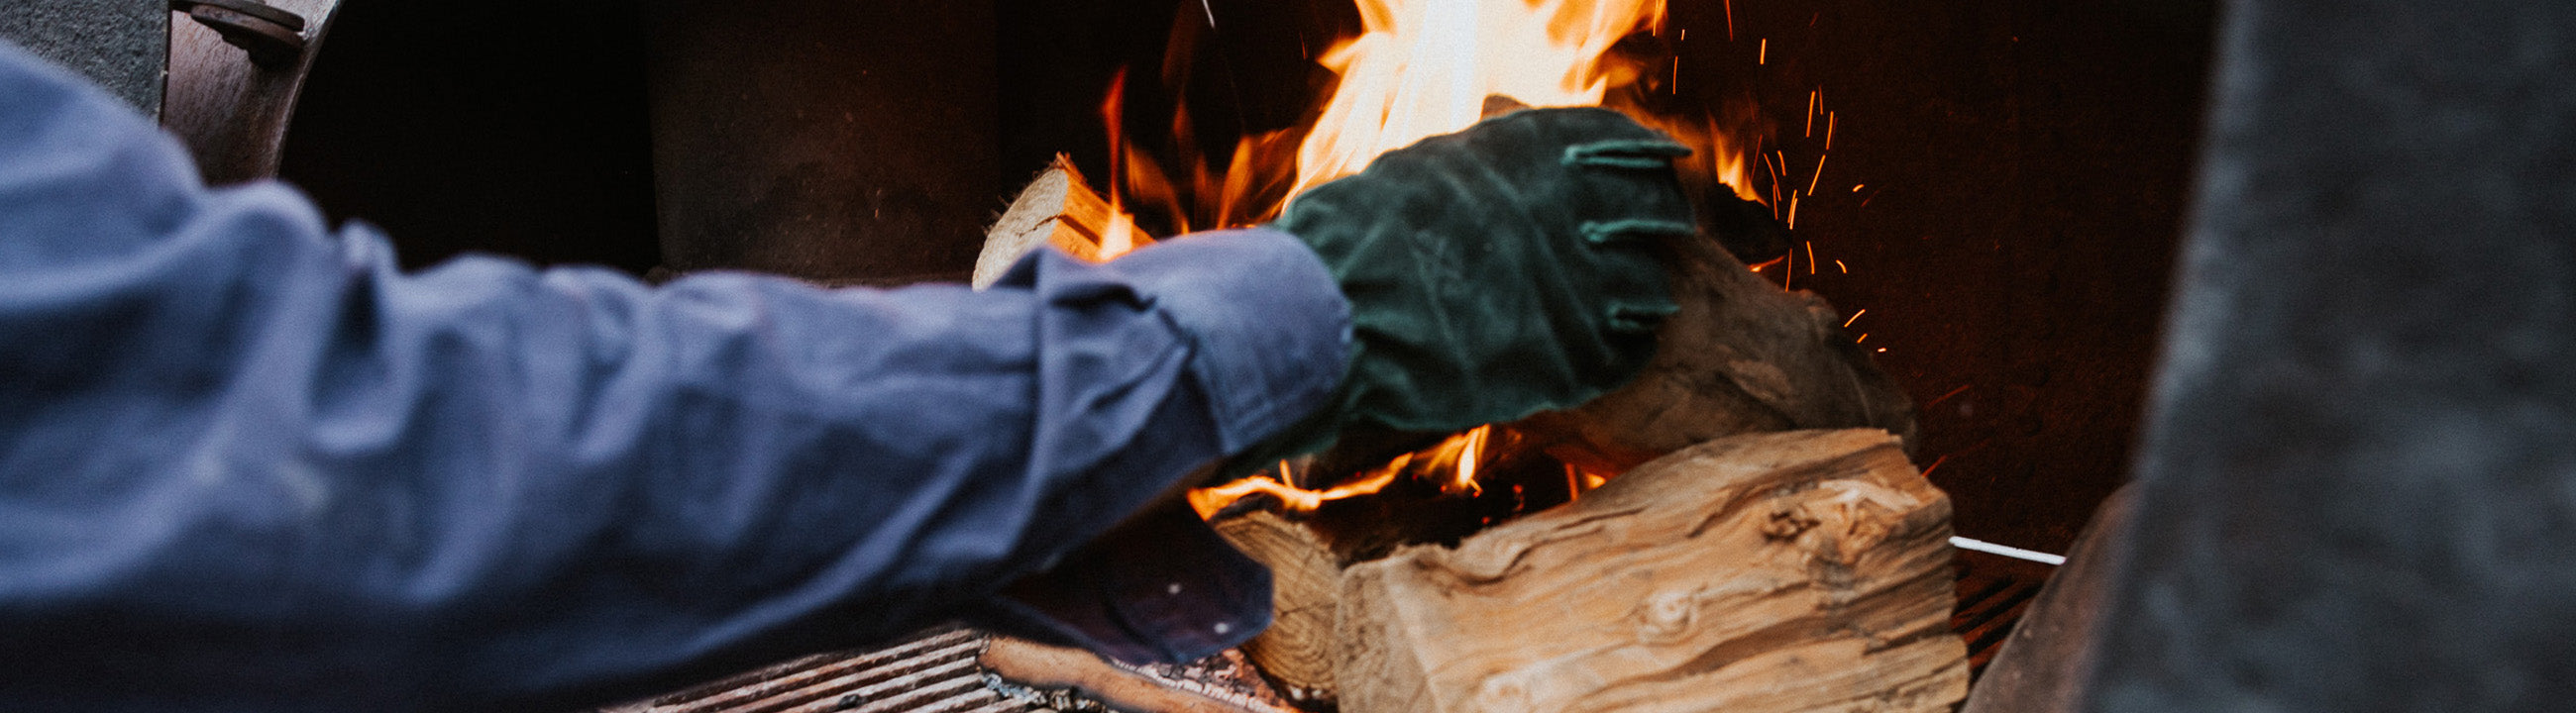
column 1742, row 356
column 1798, row 571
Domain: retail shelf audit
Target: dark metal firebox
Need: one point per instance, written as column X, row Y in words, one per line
column 2004, row 195
column 2021, row 168
column 2353, row 494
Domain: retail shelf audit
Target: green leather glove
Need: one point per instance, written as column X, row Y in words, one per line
column 1493, row 273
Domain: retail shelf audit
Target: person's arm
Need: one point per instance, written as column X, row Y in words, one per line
column 248, row 463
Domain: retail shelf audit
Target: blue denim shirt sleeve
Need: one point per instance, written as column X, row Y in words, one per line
column 247, row 463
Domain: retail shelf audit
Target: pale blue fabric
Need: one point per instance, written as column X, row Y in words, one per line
column 248, row 464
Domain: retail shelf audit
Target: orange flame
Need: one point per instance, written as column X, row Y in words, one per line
column 1422, row 68
column 1419, row 68
column 1208, row 500
column 1120, row 237
column 1727, row 163
column 1457, row 457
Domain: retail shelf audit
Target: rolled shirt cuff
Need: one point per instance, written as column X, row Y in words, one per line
column 1270, row 334
column 1270, row 328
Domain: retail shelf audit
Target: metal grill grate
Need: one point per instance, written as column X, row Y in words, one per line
column 1993, row 593
column 932, row 673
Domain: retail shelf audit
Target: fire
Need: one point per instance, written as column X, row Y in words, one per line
column 1208, row 500
column 1419, row 68
column 1727, row 164
column 1120, row 237
column 1458, row 457
column 1424, row 67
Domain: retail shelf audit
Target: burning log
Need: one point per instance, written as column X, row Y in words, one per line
column 1742, row 356
column 1057, row 208
column 1795, row 571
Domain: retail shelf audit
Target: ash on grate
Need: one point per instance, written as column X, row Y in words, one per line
column 1054, row 675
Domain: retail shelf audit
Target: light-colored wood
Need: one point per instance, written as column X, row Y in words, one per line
column 1796, row 571
column 1297, row 651
column 1057, row 208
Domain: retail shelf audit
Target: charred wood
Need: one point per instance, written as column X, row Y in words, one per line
column 1742, row 356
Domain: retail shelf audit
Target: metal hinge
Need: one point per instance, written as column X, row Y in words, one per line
column 273, row 37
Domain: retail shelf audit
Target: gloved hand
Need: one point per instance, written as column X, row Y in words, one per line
column 1493, row 273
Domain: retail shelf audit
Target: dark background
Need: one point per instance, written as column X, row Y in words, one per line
column 2023, row 163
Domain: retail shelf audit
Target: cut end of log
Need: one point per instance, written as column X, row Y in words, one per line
column 1058, row 209
column 1297, row 651
column 1797, row 571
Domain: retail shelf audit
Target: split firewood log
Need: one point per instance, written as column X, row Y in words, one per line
column 1797, row 571
column 1057, row 208
column 1297, row 651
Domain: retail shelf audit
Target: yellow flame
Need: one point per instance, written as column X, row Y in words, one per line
column 1120, row 237
column 1459, row 456
column 1424, row 67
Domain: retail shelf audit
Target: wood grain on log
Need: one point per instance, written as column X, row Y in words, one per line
column 1799, row 571
column 1057, row 208
column 1297, row 651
